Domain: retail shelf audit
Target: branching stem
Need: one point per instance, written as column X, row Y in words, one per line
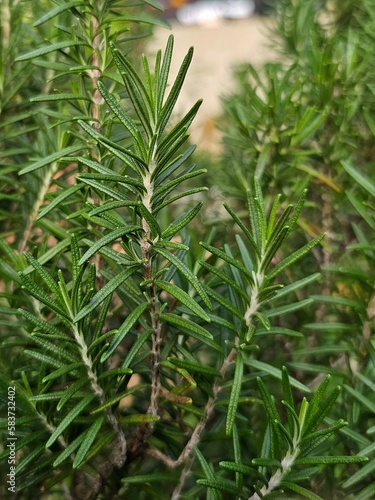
column 187, row 452
column 196, row 435
column 278, row 476
column 118, row 455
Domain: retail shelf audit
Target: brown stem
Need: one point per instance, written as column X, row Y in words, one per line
column 155, row 322
column 156, row 349
column 184, row 475
column 144, row 431
column 196, row 435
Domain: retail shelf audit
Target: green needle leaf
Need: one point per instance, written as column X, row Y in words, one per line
column 46, row 277
column 365, row 401
column 294, row 257
column 40, row 295
column 186, row 324
column 69, row 450
column 192, row 366
column 48, row 160
column 69, row 418
column 184, row 298
column 49, row 48
column 362, row 180
column 361, row 475
column 107, row 289
column 56, row 11
column 150, row 219
column 275, row 372
column 235, row 393
column 210, row 475
column 174, row 92
column 118, row 111
column 86, row 444
column 115, row 399
column 108, row 238
column 66, row 193
column 60, row 97
column 303, row 492
column 56, row 350
column 180, row 223
column 221, row 485
column 136, row 347
column 124, row 329
column 326, row 460
column 62, row 371
column 230, row 260
column 185, row 271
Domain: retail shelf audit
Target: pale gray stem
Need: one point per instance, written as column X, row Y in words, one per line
column 278, row 476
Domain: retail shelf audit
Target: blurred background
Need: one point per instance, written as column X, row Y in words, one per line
column 225, row 34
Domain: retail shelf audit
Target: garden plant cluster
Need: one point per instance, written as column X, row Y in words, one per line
column 149, row 349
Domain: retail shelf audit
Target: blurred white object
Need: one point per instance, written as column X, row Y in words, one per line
column 206, row 11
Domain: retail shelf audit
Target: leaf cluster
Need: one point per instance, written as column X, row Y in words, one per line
column 133, row 348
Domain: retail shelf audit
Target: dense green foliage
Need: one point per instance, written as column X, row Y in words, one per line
column 147, row 364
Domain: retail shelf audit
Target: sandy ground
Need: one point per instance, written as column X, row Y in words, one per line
column 218, row 49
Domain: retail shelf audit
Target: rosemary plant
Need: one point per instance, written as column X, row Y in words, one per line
column 140, row 357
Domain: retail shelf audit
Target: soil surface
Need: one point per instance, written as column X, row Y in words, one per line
column 218, row 49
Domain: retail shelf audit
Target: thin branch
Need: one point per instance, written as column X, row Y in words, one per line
column 144, row 431
column 183, row 476
column 277, row 477
column 207, row 414
column 46, row 182
column 156, row 351
column 195, row 437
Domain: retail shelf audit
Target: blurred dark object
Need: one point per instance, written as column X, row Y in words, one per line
column 262, row 7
